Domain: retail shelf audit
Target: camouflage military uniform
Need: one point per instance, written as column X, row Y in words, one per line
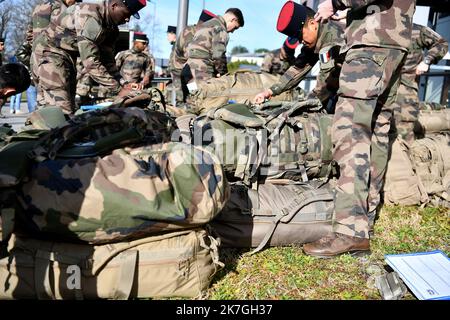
column 42, row 15
column 206, row 52
column 84, row 30
column 134, row 66
column 376, row 46
column 273, row 63
column 330, row 39
column 406, row 108
column 179, row 57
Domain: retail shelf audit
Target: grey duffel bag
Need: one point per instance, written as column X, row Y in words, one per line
column 278, row 213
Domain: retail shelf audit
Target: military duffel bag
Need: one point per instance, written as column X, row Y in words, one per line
column 128, row 194
column 432, row 121
column 177, row 264
column 402, row 186
column 241, row 87
column 280, row 141
column 430, row 157
column 279, row 213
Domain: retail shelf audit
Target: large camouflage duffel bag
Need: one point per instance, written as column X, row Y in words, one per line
column 431, row 160
column 432, row 121
column 128, row 194
column 281, row 140
column 279, row 213
column 241, row 87
column 402, row 186
column 176, row 264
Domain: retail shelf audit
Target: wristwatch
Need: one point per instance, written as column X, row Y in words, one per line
column 427, row 60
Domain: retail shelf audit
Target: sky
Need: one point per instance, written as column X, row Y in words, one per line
column 260, row 18
column 259, row 31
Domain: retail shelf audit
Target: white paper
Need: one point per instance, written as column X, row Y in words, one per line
column 427, row 274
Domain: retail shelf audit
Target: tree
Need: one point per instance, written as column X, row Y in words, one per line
column 15, row 17
column 239, row 49
column 233, row 66
column 261, row 50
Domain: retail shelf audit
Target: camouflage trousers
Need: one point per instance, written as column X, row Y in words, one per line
column 57, row 81
column 200, row 70
column 368, row 83
column 176, row 86
column 406, row 112
column 86, row 87
column 34, row 66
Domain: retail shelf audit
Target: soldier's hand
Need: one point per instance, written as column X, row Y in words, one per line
column 261, row 97
column 340, row 15
column 422, row 68
column 124, row 92
column 324, row 11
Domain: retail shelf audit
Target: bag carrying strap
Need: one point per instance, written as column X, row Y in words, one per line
column 292, row 208
column 126, row 277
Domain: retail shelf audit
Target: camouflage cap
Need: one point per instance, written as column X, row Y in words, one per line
column 135, row 6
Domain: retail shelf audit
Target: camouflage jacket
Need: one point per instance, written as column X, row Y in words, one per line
column 23, row 54
column 134, row 66
column 42, row 15
column 273, row 63
column 210, row 45
column 86, row 30
column 170, row 67
column 330, row 40
column 379, row 23
column 180, row 50
column 422, row 38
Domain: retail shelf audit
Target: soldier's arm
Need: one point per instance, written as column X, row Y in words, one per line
column 219, row 48
column 296, row 73
column 437, row 46
column 149, row 72
column 90, row 55
column 353, row 4
column 109, row 60
column 24, row 52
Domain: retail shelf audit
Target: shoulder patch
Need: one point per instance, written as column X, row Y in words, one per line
column 91, row 29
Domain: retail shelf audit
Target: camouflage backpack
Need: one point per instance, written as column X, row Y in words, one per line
column 71, row 186
column 430, row 157
column 278, row 140
column 241, row 87
column 402, row 185
column 432, row 121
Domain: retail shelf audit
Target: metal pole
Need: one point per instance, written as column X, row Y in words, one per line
column 183, row 9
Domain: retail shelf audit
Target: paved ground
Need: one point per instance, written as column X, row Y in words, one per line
column 16, row 120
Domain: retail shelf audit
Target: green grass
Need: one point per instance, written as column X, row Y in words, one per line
column 287, row 273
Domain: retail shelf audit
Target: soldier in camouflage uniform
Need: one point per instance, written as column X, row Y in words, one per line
column 406, row 108
column 377, row 40
column 41, row 17
column 87, row 30
column 321, row 42
column 206, row 52
column 278, row 61
column 136, row 67
column 179, row 54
